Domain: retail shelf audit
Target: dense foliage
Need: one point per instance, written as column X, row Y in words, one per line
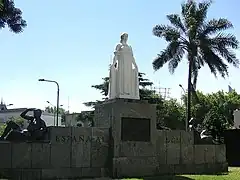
column 11, row 16
column 62, row 112
column 20, row 121
column 215, row 110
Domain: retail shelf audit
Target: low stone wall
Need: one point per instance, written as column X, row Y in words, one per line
column 76, row 152
column 174, row 153
column 71, row 153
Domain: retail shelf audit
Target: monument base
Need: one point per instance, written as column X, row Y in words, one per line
column 129, row 119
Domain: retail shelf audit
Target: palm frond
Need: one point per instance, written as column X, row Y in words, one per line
column 173, row 63
column 230, row 56
column 188, row 13
column 167, row 32
column 173, row 54
column 222, row 44
column 214, row 62
column 176, row 21
column 201, row 12
column 225, row 40
column 188, row 8
column 214, row 26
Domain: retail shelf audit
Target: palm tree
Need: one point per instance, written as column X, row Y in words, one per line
column 11, row 16
column 201, row 40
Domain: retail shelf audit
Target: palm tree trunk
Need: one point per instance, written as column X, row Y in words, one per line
column 195, row 82
column 189, row 93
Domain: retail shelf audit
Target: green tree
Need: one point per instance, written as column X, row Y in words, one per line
column 171, row 114
column 201, row 40
column 11, row 16
column 19, row 120
column 2, row 127
column 86, row 116
column 200, row 106
column 144, row 92
column 62, row 112
column 51, row 109
column 215, row 111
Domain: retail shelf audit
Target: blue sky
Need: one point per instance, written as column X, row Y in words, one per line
column 72, row 43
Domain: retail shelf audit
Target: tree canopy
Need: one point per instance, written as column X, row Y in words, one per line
column 53, row 110
column 215, row 110
column 11, row 16
column 144, row 92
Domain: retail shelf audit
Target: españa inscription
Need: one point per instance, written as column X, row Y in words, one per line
column 79, row 139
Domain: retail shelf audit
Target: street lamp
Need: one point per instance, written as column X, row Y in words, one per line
column 186, row 120
column 54, row 112
column 57, row 93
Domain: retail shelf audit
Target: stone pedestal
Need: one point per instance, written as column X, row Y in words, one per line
column 130, row 120
column 133, row 134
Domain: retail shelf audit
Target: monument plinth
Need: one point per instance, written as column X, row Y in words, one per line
column 130, row 120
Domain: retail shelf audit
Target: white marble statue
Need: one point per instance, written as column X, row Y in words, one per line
column 123, row 79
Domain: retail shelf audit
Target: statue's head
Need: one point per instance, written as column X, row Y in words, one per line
column 124, row 37
column 37, row 113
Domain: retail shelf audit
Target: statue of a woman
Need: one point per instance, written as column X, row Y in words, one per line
column 123, row 72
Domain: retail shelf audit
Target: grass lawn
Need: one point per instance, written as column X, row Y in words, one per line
column 234, row 174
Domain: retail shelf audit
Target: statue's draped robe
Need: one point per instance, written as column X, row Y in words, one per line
column 123, row 76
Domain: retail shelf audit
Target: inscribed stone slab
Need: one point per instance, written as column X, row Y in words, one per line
column 60, row 155
column 60, row 135
column 173, row 153
column 138, row 149
column 161, row 137
column 187, row 154
column 21, row 155
column 40, row 155
column 90, row 172
column 173, row 137
column 187, row 138
column 29, row 174
column 199, row 154
column 5, row 151
column 161, row 147
column 209, row 154
column 220, row 153
column 135, row 166
column 135, row 129
column 62, row 173
column 164, row 169
column 81, row 148
column 100, row 147
column 162, row 154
